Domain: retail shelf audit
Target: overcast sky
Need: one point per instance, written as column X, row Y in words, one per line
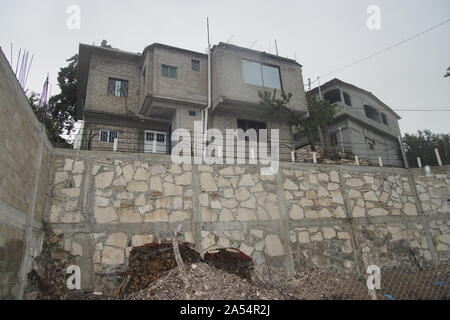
column 322, row 35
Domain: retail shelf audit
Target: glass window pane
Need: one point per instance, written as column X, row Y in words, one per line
column 112, row 136
column 252, row 73
column 160, row 137
column 104, row 135
column 149, row 136
column 117, row 87
column 195, row 65
column 165, row 70
column 271, row 77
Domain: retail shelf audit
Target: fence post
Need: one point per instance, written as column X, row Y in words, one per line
column 116, row 142
column 403, row 151
column 380, row 161
column 154, row 146
column 419, row 162
column 357, row 160
column 314, row 157
column 427, row 170
column 438, row 157
column 292, row 156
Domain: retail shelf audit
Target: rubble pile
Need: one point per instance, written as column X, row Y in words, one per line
column 47, row 280
column 232, row 261
column 150, row 261
column 324, row 156
column 205, row 283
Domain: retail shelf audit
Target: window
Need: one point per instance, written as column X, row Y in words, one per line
column 347, row 99
column 149, row 136
column 117, row 87
column 332, row 96
column 192, row 113
column 108, row 135
column 384, row 118
column 160, row 137
column 371, row 113
column 334, row 139
column 250, row 124
column 370, row 144
column 261, row 75
column 169, row 71
column 195, row 65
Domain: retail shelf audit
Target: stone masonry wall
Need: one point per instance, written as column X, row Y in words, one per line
column 105, row 203
column 25, row 165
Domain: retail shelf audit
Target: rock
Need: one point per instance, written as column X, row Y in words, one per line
column 155, row 184
column 68, row 163
column 128, row 172
column 226, row 215
column 172, row 190
column 354, row 194
column 135, row 186
column 113, row 256
column 355, row 182
column 178, row 216
column 358, row 212
column 101, row 202
column 332, row 186
column 157, row 216
column 247, row 180
column 117, row 240
column 250, row 203
column 207, row 182
column 328, row 233
column 105, row 215
column 290, row 185
column 296, row 212
column 184, row 179
column 378, row 212
column 104, row 180
column 370, row 196
column 141, row 174
column 274, row 246
column 244, row 214
column 334, row 176
column 228, row 171
column 129, row 215
column 303, row 236
column 76, row 249
column 317, row 237
column 78, row 167
column 71, row 192
column 242, row 194
column 246, row 249
column 61, row 177
column 157, row 169
column 410, row 209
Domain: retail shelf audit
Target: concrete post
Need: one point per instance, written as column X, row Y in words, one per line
column 27, row 252
column 419, row 162
column 357, row 160
column 314, row 157
column 380, row 161
column 438, row 157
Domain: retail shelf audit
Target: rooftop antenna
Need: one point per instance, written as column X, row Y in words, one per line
column 11, row 61
column 28, row 72
column 276, row 47
column 253, row 44
column 18, row 58
column 230, row 38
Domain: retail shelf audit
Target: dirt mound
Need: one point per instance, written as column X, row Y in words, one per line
column 230, row 260
column 150, row 261
column 205, row 283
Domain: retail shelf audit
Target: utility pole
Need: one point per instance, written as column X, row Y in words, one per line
column 320, row 91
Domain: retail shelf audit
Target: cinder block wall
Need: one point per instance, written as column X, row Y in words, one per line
column 25, row 162
column 105, row 203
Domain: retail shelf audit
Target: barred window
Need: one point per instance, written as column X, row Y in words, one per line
column 117, row 87
column 195, row 64
column 108, row 135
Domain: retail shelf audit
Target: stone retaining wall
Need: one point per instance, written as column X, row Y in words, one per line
column 105, row 203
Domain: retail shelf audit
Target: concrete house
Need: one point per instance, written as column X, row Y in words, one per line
column 363, row 125
column 140, row 98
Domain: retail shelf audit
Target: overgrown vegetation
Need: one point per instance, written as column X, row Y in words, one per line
column 314, row 127
column 423, row 143
column 58, row 114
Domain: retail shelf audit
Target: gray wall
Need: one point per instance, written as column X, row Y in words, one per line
column 25, row 162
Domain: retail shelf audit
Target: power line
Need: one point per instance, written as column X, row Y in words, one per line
column 388, row 48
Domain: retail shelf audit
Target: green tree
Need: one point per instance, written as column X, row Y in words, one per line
column 321, row 113
column 448, row 73
column 423, row 144
column 58, row 115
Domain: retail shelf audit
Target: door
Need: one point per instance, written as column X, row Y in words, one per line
column 155, row 141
